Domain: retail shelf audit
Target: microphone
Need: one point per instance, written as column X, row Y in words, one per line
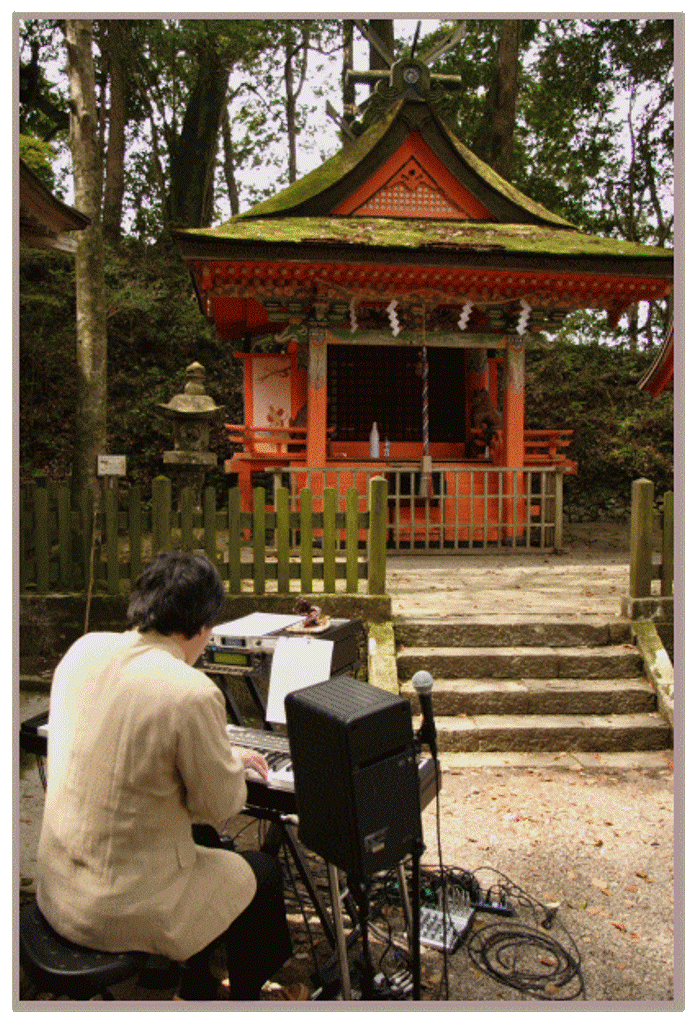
column 423, row 684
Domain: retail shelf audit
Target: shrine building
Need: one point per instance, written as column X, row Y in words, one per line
column 381, row 307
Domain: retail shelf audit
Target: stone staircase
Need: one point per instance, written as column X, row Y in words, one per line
column 534, row 686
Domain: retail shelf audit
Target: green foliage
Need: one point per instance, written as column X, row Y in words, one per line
column 155, row 330
column 620, row 432
column 38, row 155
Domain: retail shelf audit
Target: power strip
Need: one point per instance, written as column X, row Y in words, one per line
column 456, row 927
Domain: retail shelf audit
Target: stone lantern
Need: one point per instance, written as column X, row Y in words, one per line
column 191, row 413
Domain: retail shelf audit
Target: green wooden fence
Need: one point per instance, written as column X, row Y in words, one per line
column 651, row 529
column 103, row 543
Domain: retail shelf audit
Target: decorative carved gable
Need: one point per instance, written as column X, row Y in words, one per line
column 414, row 183
column 412, row 192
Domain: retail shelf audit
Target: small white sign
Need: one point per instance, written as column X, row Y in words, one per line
column 111, row 465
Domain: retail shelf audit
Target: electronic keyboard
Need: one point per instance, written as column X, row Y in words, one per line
column 277, row 793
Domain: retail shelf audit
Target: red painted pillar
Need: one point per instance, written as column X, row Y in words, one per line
column 513, row 445
column 317, row 398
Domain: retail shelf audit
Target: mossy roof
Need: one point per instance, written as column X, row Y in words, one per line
column 317, row 191
column 298, row 224
column 422, row 235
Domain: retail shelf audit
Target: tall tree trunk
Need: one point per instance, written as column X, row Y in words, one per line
column 229, row 164
column 90, row 413
column 494, row 142
column 193, row 152
column 114, row 178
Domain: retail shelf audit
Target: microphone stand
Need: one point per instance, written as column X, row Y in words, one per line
column 417, row 850
column 423, row 684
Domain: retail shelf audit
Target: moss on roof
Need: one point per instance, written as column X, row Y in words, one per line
column 342, row 163
column 492, row 178
column 383, row 232
column 326, row 174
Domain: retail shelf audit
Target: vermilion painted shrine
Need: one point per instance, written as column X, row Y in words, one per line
column 401, row 282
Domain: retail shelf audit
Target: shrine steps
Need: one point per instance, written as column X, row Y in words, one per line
column 532, row 686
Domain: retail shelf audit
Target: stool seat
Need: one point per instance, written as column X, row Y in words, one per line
column 64, row 968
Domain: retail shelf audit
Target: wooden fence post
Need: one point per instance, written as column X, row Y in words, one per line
column 259, row 540
column 377, row 536
column 352, row 541
column 41, row 542
column 210, row 545
column 234, row 541
column 641, row 539
column 135, row 532
column 306, row 533
column 161, row 514
column 283, row 539
column 667, row 556
column 329, row 540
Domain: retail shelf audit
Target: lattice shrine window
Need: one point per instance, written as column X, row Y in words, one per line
column 410, row 192
column 383, row 384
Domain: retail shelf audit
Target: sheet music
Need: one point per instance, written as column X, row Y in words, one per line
column 256, row 624
column 297, row 662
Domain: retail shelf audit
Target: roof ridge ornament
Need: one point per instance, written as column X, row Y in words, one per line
column 408, row 78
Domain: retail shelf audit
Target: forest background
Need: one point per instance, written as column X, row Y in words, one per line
column 194, row 120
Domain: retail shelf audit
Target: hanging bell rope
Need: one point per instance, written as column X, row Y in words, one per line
column 426, row 463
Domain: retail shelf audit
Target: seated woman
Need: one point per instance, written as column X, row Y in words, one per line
column 137, row 753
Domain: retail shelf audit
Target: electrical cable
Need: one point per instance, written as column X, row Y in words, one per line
column 521, row 955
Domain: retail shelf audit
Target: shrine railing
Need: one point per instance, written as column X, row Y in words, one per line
column 268, row 442
column 452, row 509
column 543, row 447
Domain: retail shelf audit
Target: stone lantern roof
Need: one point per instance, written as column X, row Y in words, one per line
column 193, row 402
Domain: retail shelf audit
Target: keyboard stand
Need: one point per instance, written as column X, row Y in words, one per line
column 279, row 834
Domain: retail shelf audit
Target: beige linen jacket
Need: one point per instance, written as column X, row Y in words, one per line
column 138, row 751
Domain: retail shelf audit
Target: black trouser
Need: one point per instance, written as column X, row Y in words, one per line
column 257, row 943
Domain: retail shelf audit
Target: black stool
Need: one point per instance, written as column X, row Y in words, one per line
column 63, row 968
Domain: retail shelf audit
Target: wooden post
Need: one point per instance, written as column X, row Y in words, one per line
column 667, row 556
column 329, row 540
column 317, row 398
column 135, row 533
column 641, row 539
column 558, row 509
column 210, row 545
column 234, row 540
column 111, row 532
column 377, row 536
column 259, row 540
column 513, row 447
column 282, row 504
column 306, row 538
column 161, row 514
column 42, row 546
column 352, row 540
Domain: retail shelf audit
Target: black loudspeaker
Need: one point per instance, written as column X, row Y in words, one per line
column 356, row 774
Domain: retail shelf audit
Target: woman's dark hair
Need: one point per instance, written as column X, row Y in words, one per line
column 176, row 593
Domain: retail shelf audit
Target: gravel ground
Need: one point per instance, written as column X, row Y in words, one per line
column 596, row 841
column 594, row 837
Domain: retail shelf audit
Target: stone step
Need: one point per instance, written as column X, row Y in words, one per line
column 546, row 733
column 491, row 631
column 537, row 696
column 611, row 662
